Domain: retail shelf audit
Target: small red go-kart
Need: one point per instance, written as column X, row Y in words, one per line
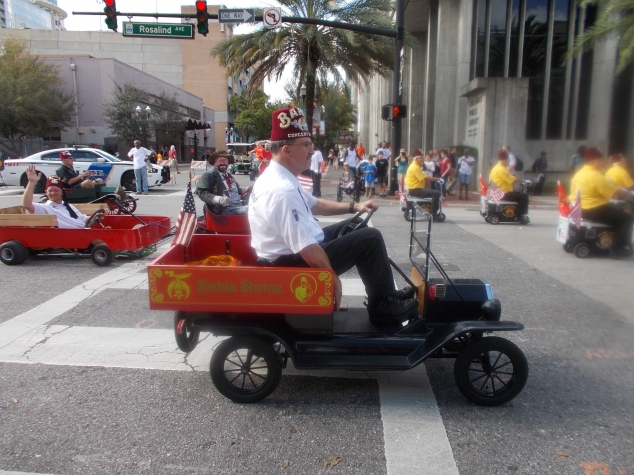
column 104, row 237
column 272, row 314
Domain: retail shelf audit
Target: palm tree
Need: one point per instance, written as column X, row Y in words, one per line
column 319, row 53
column 617, row 16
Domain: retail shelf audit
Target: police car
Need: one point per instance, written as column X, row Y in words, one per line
column 118, row 172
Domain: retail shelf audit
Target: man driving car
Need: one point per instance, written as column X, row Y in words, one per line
column 284, row 231
column 67, row 215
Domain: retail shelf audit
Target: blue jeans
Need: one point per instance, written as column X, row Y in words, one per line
column 141, row 179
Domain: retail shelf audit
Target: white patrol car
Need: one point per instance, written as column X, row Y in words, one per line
column 118, row 172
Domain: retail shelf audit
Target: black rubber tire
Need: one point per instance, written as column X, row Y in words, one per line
column 407, row 214
column 569, row 248
column 13, row 253
column 130, row 205
column 494, row 219
column 581, row 250
column 128, row 181
column 102, row 255
column 440, row 217
column 186, row 338
column 485, row 358
column 232, row 365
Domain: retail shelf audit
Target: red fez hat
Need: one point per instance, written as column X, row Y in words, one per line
column 54, row 180
column 502, row 155
column 592, row 153
column 288, row 123
column 64, row 154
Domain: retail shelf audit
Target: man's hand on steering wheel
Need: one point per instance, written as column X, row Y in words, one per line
column 365, row 207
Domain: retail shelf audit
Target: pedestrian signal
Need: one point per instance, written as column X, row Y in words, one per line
column 202, row 17
column 393, row 111
column 111, row 14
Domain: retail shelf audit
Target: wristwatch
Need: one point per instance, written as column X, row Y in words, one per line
column 351, row 208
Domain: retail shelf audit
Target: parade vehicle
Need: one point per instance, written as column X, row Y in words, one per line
column 354, row 192
column 581, row 236
column 496, row 211
column 225, row 224
column 243, row 157
column 270, row 315
column 412, row 202
column 103, row 238
column 117, row 172
column 107, row 195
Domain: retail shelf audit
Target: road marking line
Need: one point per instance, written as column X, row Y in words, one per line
column 4, row 472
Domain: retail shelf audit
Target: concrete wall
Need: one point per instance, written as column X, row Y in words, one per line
column 159, row 57
column 92, row 84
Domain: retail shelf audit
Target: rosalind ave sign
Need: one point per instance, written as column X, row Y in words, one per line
column 182, row 31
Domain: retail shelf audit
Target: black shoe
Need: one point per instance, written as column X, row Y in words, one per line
column 389, row 309
column 405, row 293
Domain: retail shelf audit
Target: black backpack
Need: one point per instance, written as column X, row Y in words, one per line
column 519, row 164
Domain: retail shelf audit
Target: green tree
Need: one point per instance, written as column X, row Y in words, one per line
column 339, row 113
column 167, row 119
column 318, row 52
column 616, row 17
column 253, row 117
column 32, row 101
column 121, row 116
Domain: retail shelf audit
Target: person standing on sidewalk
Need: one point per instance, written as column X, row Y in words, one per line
column 361, row 150
column 402, row 162
column 172, row 156
column 315, row 172
column 139, row 156
column 465, row 168
column 539, row 168
column 381, row 165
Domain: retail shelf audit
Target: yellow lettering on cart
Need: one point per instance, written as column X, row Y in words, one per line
column 177, row 289
column 216, row 287
column 249, row 287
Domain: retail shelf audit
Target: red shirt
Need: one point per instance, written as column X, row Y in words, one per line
column 444, row 165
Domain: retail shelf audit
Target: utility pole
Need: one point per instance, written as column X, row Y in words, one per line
column 397, row 91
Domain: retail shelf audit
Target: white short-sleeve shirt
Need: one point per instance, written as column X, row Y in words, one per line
column 280, row 215
column 138, row 156
column 315, row 161
column 64, row 219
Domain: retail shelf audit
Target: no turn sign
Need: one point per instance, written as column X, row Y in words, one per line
column 272, row 17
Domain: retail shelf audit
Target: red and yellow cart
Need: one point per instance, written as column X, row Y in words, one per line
column 271, row 314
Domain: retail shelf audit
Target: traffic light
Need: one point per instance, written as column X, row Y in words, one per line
column 202, row 17
column 394, row 111
column 111, row 14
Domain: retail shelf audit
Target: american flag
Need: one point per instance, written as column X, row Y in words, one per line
column 496, row 195
column 575, row 212
column 305, row 181
column 186, row 223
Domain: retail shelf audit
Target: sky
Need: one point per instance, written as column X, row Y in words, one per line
column 96, row 23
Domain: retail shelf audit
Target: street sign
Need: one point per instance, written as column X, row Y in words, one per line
column 183, row 31
column 239, row 15
column 272, row 17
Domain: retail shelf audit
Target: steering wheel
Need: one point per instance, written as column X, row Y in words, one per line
column 351, row 225
column 94, row 218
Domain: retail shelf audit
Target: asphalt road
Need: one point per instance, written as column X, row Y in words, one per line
column 61, row 414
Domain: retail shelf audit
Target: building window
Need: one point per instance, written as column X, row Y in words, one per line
column 529, row 38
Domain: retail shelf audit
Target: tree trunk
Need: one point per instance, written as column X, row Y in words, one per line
column 310, row 94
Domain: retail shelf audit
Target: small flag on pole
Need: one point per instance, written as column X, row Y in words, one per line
column 186, row 224
column 575, row 212
column 496, row 195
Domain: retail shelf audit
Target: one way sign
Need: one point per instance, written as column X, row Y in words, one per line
column 236, row 16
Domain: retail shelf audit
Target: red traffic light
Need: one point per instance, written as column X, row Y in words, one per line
column 201, row 6
column 109, row 3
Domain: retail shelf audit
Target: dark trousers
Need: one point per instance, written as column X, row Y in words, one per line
column 539, row 185
column 427, row 193
column 316, row 183
column 363, row 248
column 520, row 198
column 613, row 216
